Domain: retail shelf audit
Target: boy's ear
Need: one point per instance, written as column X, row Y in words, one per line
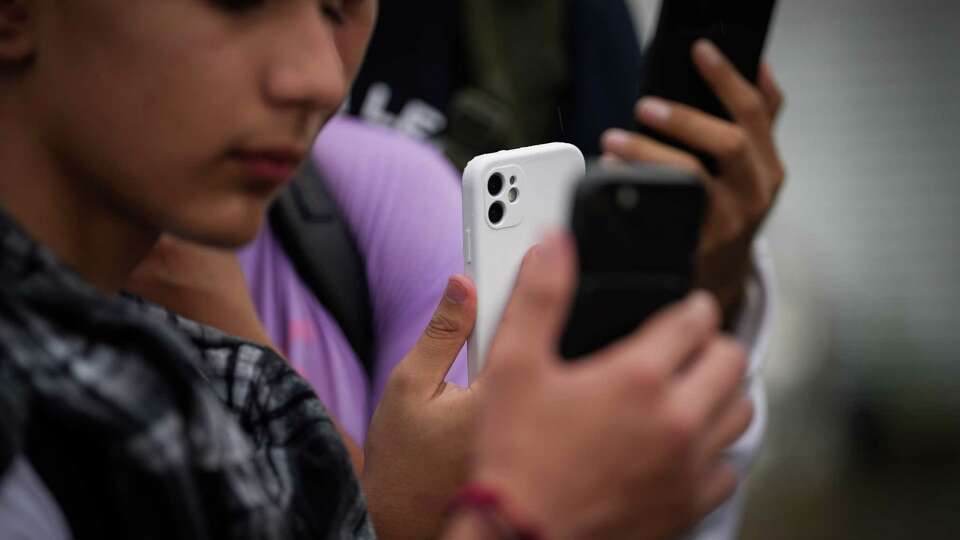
column 16, row 34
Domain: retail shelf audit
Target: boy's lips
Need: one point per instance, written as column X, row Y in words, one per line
column 274, row 165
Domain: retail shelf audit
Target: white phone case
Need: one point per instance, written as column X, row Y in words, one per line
column 544, row 177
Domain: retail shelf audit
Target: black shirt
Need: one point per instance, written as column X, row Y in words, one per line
column 418, row 60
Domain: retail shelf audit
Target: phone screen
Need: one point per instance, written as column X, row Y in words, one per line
column 636, row 230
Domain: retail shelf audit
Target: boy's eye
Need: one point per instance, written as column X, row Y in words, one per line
column 238, row 5
column 333, row 11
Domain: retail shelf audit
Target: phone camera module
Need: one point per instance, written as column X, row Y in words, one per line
column 495, row 184
column 496, row 213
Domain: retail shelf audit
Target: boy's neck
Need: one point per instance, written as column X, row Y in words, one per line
column 76, row 223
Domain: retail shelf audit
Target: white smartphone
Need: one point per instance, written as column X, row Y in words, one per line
column 510, row 199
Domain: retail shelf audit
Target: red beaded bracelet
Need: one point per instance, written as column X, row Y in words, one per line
column 488, row 503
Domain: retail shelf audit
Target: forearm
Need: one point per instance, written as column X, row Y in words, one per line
column 726, row 274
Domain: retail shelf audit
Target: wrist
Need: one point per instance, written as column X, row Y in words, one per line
column 486, row 510
column 726, row 278
column 464, row 525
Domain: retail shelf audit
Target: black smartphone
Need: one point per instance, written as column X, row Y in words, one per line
column 738, row 27
column 636, row 230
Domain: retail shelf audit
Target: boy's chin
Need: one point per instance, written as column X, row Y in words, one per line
column 233, row 234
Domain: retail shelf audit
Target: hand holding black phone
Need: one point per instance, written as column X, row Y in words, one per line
column 738, row 28
column 636, row 230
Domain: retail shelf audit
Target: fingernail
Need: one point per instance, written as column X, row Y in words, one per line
column 615, row 139
column 654, row 110
column 610, row 160
column 707, row 52
column 700, row 303
column 456, row 293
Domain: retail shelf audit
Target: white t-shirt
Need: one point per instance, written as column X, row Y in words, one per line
column 27, row 509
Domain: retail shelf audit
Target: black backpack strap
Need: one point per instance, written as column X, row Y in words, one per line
column 318, row 241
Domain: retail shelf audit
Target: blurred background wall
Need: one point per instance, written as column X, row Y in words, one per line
column 864, row 377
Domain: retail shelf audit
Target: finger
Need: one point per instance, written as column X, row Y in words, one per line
column 625, row 146
column 741, row 98
column 745, row 102
column 667, row 341
column 728, row 427
column 712, row 379
column 718, row 485
column 427, row 364
column 728, row 142
column 537, row 311
column 610, row 160
column 773, row 97
column 770, row 90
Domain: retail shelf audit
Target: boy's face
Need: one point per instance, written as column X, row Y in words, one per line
column 184, row 115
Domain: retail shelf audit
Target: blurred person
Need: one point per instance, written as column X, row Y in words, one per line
column 477, row 76
column 177, row 430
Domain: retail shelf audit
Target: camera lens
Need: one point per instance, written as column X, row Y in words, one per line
column 495, row 214
column 495, row 184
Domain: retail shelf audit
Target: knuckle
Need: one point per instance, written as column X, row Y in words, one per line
column 736, row 223
column 726, row 483
column 767, row 190
column 681, row 427
column 779, row 175
column 646, row 377
column 779, row 100
column 736, row 144
column 752, row 106
column 401, row 381
column 753, row 205
column 442, row 327
column 734, row 354
column 762, row 201
column 542, row 292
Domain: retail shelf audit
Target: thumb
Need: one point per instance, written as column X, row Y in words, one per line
column 428, row 362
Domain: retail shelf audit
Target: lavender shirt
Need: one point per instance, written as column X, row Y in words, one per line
column 401, row 199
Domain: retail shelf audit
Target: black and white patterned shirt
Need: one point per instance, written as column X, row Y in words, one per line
column 142, row 424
